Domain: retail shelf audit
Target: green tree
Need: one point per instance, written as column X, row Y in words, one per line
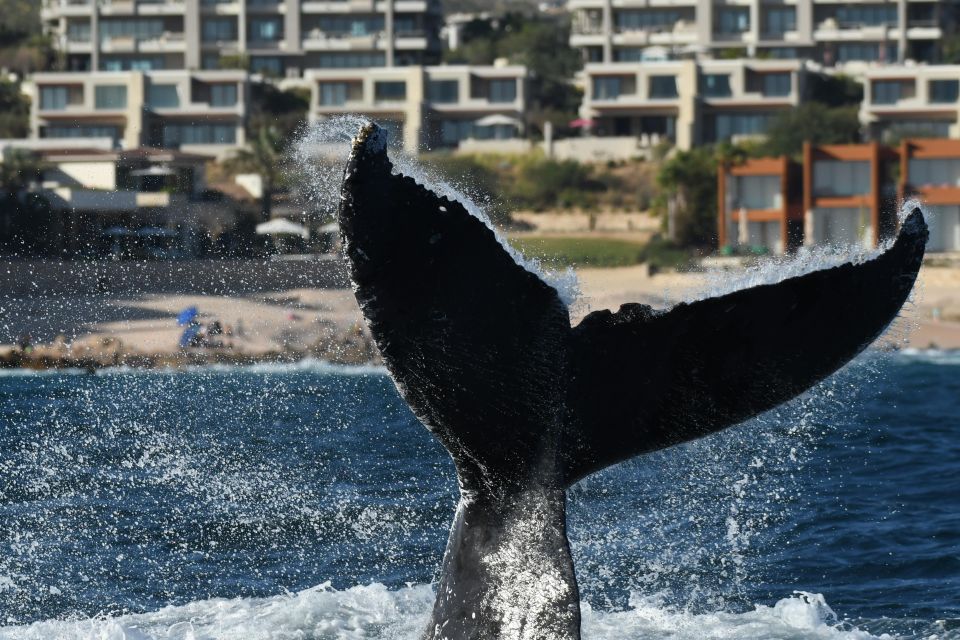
column 24, row 217
column 264, row 156
column 811, row 122
column 283, row 111
column 688, row 182
column 14, row 111
column 834, row 90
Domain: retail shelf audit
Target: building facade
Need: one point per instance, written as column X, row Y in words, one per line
column 930, row 170
column 688, row 102
column 194, row 111
column 901, row 101
column 825, row 31
column 427, row 107
column 758, row 205
column 278, row 38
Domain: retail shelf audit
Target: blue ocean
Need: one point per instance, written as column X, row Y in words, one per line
column 305, row 501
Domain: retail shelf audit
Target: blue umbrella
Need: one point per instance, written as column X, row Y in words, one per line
column 187, row 315
column 188, row 335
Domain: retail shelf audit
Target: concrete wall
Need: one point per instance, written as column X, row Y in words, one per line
column 46, row 278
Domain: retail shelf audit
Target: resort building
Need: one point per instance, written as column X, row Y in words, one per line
column 848, row 197
column 687, row 102
column 930, row 170
column 903, row 101
column 759, row 205
column 194, row 111
column 427, row 107
column 279, row 38
column 824, row 31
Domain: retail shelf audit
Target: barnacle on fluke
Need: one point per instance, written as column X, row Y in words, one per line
column 483, row 352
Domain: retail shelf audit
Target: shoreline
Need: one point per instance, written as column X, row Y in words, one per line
column 287, row 326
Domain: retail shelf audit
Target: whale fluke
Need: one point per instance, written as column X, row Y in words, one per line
column 483, row 352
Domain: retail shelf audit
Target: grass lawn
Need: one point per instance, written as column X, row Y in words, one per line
column 580, row 252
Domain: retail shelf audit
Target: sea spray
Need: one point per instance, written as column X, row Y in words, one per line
column 321, row 154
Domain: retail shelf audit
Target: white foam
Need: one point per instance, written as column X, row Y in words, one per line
column 373, row 611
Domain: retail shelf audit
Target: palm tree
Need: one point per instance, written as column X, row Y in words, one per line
column 263, row 156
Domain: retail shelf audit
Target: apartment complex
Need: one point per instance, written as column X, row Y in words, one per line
column 278, row 38
column 901, row 101
column 825, row 31
column 930, row 170
column 427, row 107
column 758, row 205
column 199, row 111
column 689, row 102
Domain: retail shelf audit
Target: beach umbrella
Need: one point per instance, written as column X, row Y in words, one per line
column 581, row 123
column 282, row 227
column 187, row 315
column 188, row 335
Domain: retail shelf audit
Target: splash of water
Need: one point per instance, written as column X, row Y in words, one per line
column 322, row 152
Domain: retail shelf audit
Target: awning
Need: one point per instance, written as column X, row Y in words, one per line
column 497, row 119
column 282, row 227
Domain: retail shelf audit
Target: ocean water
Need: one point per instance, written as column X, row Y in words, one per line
column 305, row 501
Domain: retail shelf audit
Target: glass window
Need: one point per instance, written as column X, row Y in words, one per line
column 78, row 31
column 175, row 135
column 268, row 65
column 715, row 85
column 219, row 29
column 849, row 51
column 343, row 26
column 870, row 15
column 350, row 60
column 727, row 125
column 334, row 94
column 223, row 95
column 443, row 91
column 110, row 97
column 626, row 54
column 132, row 64
column 137, row 28
column 646, row 19
column 163, row 96
column 265, row 29
column 886, row 91
column 390, row 91
column 663, row 86
column 503, row 90
column 944, row 91
column 606, row 87
column 732, row 20
column 407, row 25
column 841, row 177
column 80, row 131
column 779, row 20
column 776, row 84
column 54, row 98
column 453, row 131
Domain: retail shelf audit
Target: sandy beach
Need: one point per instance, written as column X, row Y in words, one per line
column 326, row 323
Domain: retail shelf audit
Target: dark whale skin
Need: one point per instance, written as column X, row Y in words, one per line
column 483, row 352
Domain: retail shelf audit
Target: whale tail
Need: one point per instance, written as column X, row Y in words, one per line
column 483, row 352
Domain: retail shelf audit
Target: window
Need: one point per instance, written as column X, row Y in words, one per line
column 131, row 64
column 110, row 97
column 78, row 32
column 944, row 91
column 267, row 65
column 349, row 60
column 887, row 91
column 177, row 134
column 343, row 26
column 727, row 125
column 334, row 94
column 223, row 95
column 841, row 177
column 138, row 29
column 876, row 15
column 626, row 54
column 715, row 85
column 80, row 131
column 163, row 96
column 504, row 90
column 453, row 131
column 390, row 91
column 778, row 21
column 219, row 29
column 935, row 171
column 54, row 98
column 265, row 29
column 408, row 26
column 443, row 91
column 663, row 86
column 899, row 129
column 732, row 20
column 849, row 51
column 606, row 87
column 776, row 84
column 649, row 19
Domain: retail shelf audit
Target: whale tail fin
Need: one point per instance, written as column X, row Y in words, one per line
column 643, row 380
